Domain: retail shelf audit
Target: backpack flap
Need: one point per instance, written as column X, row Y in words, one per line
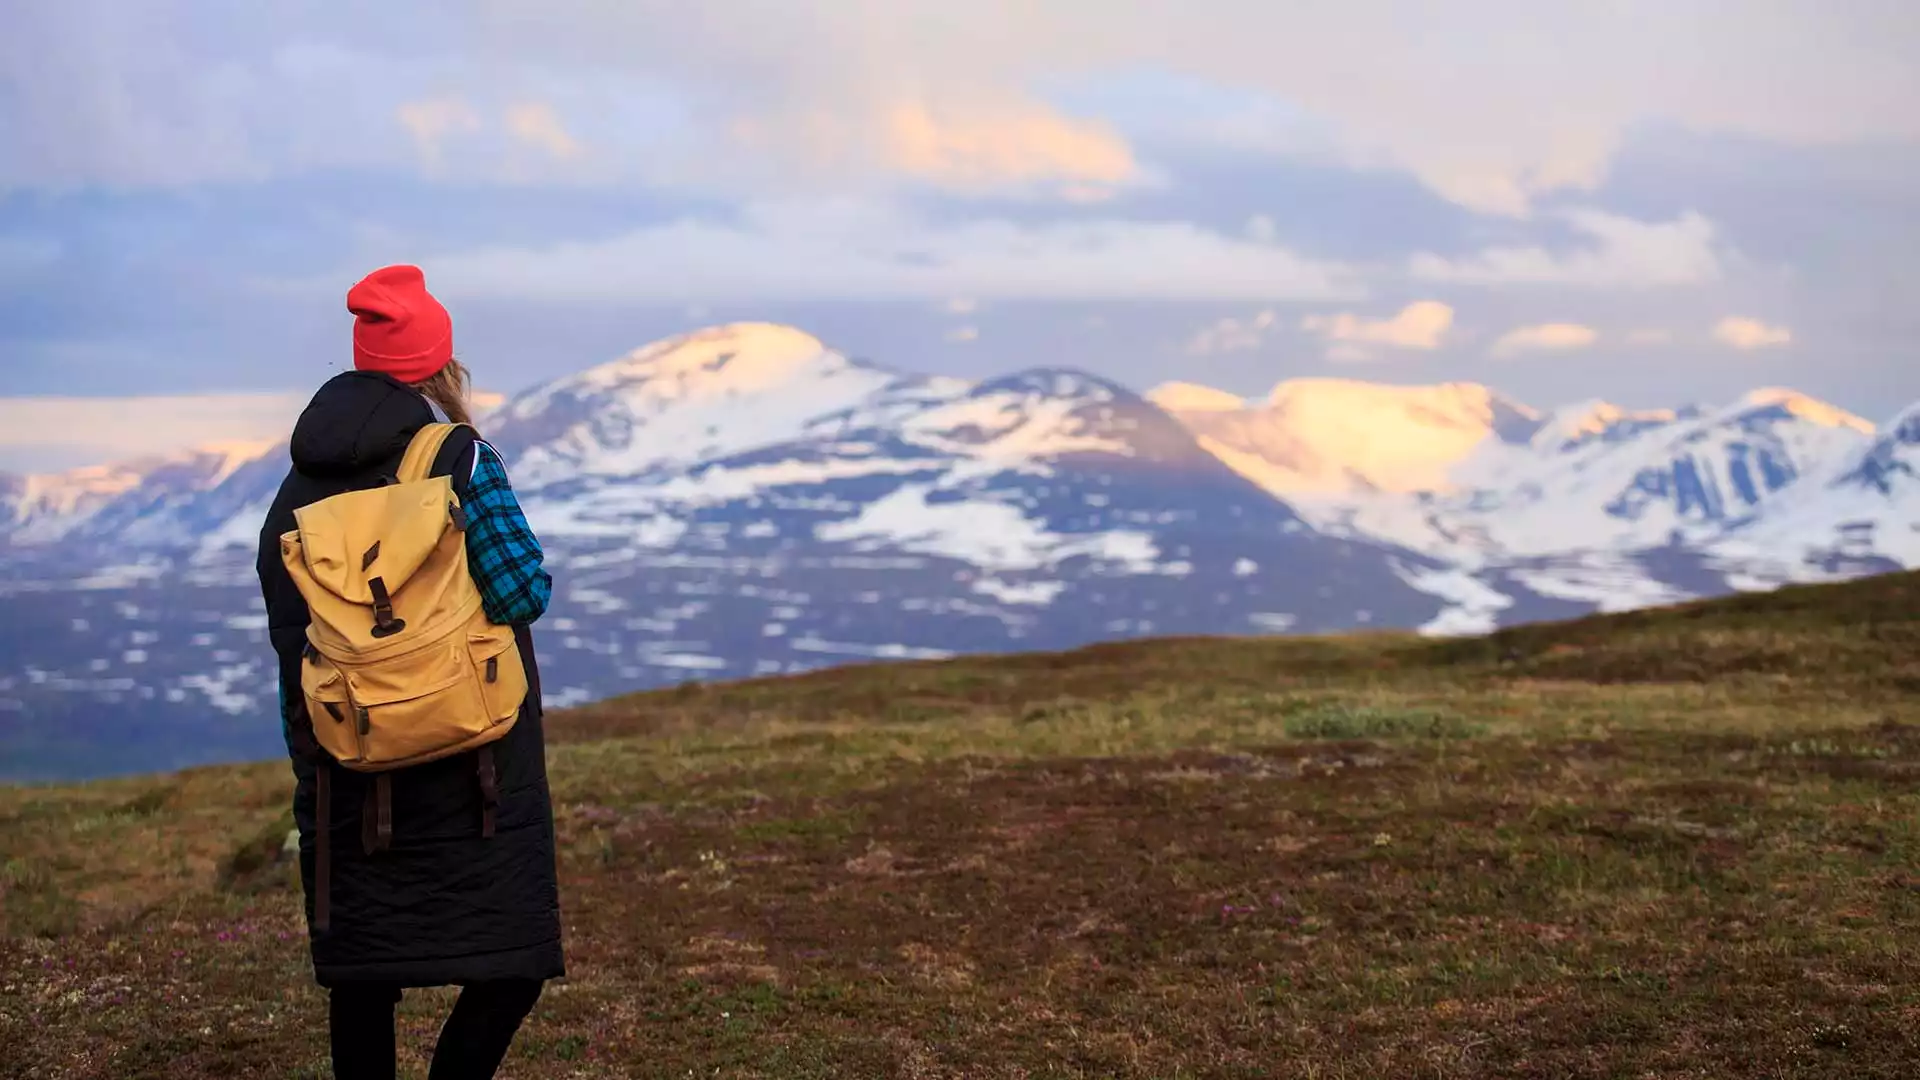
column 360, row 548
column 361, row 543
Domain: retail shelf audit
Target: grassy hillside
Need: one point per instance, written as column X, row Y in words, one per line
column 1665, row 844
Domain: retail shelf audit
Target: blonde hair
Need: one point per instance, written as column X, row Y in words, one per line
column 447, row 388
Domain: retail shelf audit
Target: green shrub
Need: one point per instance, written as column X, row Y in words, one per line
column 1335, row 720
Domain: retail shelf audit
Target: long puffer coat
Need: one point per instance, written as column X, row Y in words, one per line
column 443, row 904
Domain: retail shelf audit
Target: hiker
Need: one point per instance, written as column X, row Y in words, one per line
column 426, row 828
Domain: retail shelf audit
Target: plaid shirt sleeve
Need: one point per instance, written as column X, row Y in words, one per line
column 502, row 551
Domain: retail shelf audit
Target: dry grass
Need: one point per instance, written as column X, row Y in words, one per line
column 1671, row 844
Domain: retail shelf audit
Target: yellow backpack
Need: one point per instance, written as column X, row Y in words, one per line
column 402, row 665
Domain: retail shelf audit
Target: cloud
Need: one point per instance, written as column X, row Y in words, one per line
column 435, row 124
column 962, row 305
column 1231, row 335
column 1745, row 334
column 1261, row 228
column 1621, row 253
column 960, row 335
column 1005, row 146
column 538, row 125
column 430, row 123
column 810, row 250
column 1489, row 102
column 1544, row 337
column 1492, row 103
column 53, row 433
column 1014, row 147
column 1419, row 325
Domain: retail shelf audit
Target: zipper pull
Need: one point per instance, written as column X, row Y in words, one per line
column 366, row 720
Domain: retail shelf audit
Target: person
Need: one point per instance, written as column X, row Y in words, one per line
column 436, row 902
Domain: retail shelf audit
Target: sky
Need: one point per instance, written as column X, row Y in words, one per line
column 1650, row 202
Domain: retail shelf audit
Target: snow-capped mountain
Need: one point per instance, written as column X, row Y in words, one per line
column 737, row 501
column 758, row 442
column 1865, row 518
column 1469, row 476
column 1643, row 481
column 744, row 500
column 128, row 502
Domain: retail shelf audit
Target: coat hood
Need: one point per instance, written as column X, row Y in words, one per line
column 357, row 422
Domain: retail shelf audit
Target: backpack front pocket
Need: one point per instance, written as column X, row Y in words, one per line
column 501, row 675
column 417, row 706
column 335, row 724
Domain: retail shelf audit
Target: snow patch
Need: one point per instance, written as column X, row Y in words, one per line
column 222, row 688
column 122, row 577
column 1473, row 607
column 989, row 534
column 1038, row 593
column 812, row 644
column 567, row 698
column 689, row 661
column 1610, row 583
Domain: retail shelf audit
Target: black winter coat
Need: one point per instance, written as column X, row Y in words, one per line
column 443, row 905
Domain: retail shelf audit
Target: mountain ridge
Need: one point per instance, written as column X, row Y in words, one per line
column 744, row 500
column 1414, row 466
column 739, row 501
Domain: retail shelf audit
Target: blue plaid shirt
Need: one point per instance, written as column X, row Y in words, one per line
column 502, row 553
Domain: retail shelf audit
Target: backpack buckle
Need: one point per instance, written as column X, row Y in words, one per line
column 384, row 623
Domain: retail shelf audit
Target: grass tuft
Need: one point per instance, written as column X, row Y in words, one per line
column 1341, row 720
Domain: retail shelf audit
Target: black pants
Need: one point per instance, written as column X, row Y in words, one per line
column 472, row 1042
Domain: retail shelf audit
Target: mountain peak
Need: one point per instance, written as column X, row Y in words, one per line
column 1587, row 422
column 1800, row 405
column 699, row 395
column 1330, row 436
column 1905, row 427
column 1465, row 406
column 742, row 357
column 1058, row 382
column 1889, row 461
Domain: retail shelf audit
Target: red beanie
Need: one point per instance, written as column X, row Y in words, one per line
column 401, row 330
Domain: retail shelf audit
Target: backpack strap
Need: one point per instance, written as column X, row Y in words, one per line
column 426, row 444
column 489, row 788
column 323, row 848
column 376, row 815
